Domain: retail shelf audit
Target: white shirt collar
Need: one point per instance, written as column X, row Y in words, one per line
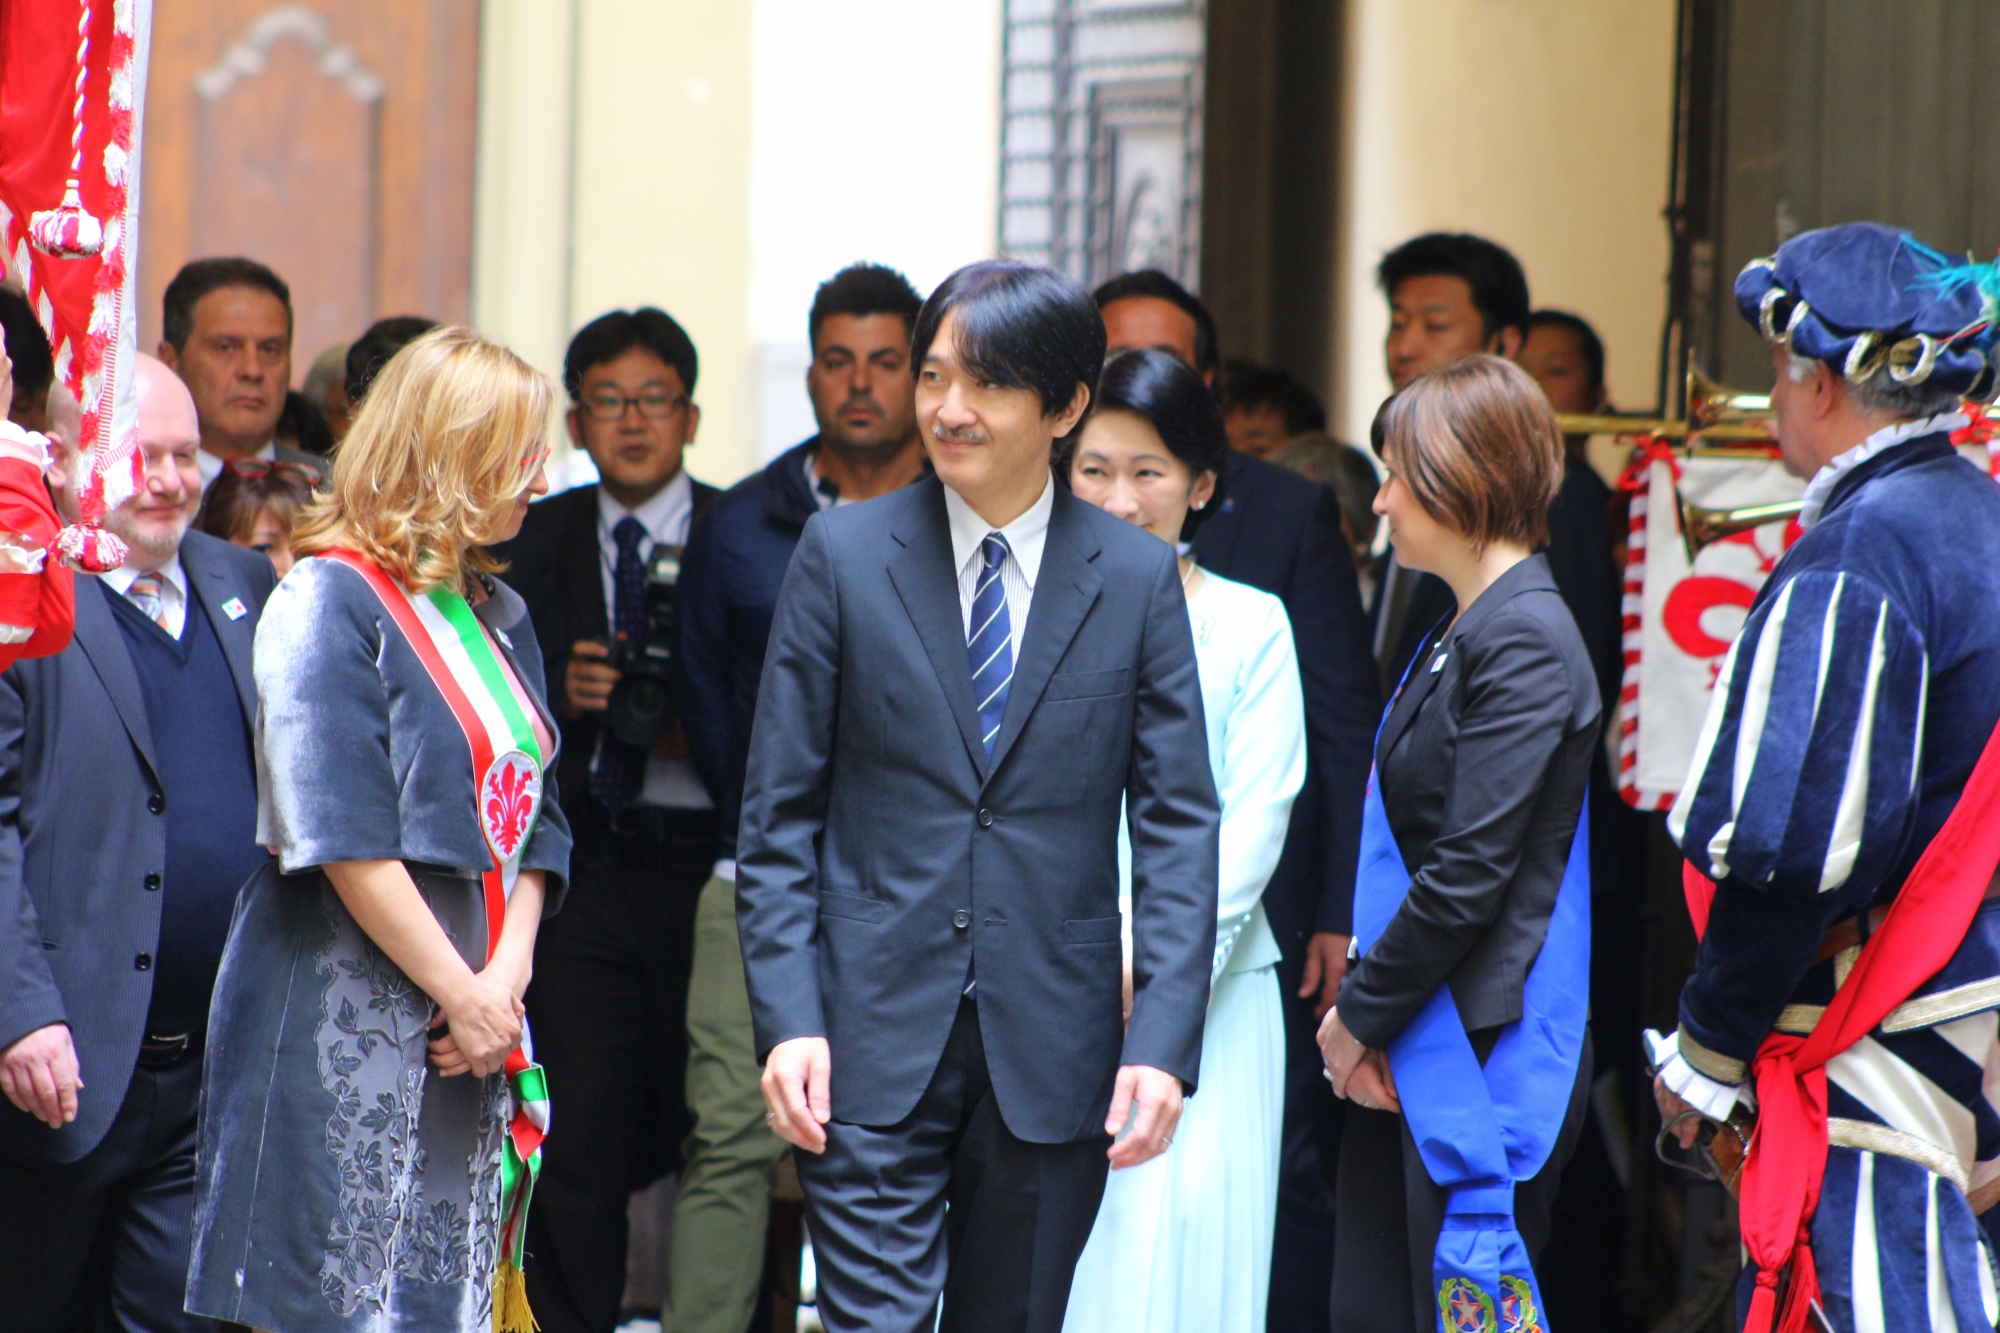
column 1025, row 536
column 1820, row 488
column 211, row 466
column 661, row 515
column 120, row 579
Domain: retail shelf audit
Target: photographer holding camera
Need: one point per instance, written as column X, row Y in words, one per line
column 599, row 566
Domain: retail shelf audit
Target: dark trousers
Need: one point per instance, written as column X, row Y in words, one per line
column 101, row 1243
column 1391, row 1213
column 608, row 1008
column 1004, row 1251
column 1302, row 1243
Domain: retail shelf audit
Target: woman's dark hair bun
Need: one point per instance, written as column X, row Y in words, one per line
column 1179, row 406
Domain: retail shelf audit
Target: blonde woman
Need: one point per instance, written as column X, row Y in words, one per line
column 368, row 1109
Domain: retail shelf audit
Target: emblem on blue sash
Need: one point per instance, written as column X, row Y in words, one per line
column 1480, row 1130
column 1463, row 1307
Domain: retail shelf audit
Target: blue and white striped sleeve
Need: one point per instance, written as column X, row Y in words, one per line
column 1804, row 780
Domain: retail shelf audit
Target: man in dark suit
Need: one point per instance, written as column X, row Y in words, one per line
column 1450, row 296
column 128, row 813
column 611, row 971
column 1280, row 532
column 226, row 330
column 966, row 681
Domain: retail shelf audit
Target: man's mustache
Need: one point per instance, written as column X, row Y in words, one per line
column 957, row 433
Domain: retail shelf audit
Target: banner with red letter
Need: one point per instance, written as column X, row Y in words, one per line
column 1681, row 615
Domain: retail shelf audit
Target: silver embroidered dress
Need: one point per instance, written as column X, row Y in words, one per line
column 342, row 1185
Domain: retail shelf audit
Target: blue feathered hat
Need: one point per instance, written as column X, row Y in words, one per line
column 1868, row 299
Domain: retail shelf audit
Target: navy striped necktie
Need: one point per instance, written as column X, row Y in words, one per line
column 989, row 648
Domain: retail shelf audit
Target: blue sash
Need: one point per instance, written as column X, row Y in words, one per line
column 1481, row 1130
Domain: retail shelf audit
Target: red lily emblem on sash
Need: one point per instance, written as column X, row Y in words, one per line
column 507, row 804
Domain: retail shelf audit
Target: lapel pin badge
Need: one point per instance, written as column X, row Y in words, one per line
column 234, row 608
column 1437, row 663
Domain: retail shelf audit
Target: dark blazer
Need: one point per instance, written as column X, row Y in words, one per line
column 1482, row 760
column 883, row 857
column 81, row 839
column 1280, row 532
column 736, row 562
column 557, row 566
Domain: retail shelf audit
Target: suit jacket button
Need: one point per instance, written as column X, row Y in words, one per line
column 152, row 883
column 144, row 962
column 156, row 802
column 985, row 818
column 961, row 918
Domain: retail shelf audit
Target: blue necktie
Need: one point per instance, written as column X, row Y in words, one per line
column 989, row 649
column 621, row 768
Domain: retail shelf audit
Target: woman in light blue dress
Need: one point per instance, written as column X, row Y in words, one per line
column 1183, row 1242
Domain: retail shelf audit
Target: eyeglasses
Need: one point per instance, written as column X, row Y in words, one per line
column 251, row 468
column 655, row 404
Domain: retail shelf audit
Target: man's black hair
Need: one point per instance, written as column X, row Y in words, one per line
column 1150, row 282
column 1587, row 340
column 1499, row 287
column 1020, row 326
column 199, row 277
column 610, row 336
column 1249, row 386
column 1177, row 403
column 860, row 290
column 27, row 344
column 370, row 352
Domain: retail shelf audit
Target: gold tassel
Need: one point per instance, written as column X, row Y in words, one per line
column 510, row 1301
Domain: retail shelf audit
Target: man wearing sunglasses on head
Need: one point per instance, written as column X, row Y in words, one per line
column 597, row 566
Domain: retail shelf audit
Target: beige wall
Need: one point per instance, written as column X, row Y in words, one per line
column 1542, row 124
column 719, row 158
column 615, row 171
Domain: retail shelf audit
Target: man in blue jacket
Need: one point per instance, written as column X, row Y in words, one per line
column 863, row 398
column 128, row 813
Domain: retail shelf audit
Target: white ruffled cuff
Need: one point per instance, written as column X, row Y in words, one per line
column 1714, row 1100
column 30, row 447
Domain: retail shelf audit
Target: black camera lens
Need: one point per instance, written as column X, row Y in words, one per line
column 642, row 707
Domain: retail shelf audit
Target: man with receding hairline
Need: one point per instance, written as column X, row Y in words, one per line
column 127, row 823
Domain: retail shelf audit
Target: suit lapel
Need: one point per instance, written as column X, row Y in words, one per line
column 1065, row 589
column 97, row 634
column 925, row 580
column 1409, row 701
column 211, row 583
column 581, row 563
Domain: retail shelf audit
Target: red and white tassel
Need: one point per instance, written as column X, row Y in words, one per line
column 68, row 231
column 90, row 549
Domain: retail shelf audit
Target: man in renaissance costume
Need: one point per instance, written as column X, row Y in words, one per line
column 1839, row 820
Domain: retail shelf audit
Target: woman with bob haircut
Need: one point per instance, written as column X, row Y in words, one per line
column 369, row 1111
column 1183, row 1242
column 1473, row 887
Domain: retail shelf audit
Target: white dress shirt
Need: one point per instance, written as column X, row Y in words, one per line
column 173, row 590
column 1025, row 536
column 670, row 783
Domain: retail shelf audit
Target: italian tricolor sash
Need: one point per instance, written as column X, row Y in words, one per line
column 507, row 768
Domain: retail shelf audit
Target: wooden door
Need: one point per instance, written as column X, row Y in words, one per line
column 331, row 140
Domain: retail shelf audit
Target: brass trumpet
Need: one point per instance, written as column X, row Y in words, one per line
column 1702, row 528
column 1719, row 420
